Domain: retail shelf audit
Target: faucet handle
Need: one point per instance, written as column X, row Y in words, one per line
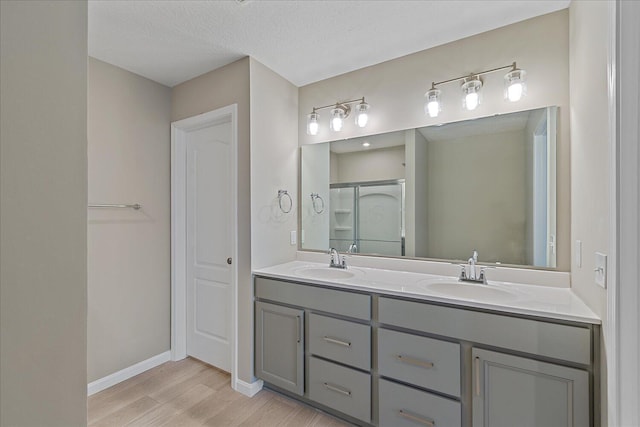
column 483, row 273
column 463, row 272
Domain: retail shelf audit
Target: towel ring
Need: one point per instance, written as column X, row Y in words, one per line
column 281, row 195
column 314, row 198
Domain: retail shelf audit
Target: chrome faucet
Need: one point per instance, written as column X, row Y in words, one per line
column 336, row 261
column 472, row 265
column 472, row 277
column 353, row 248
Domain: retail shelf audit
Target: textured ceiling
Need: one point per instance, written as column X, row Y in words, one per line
column 304, row 40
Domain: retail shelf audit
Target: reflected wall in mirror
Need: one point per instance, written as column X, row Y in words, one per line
column 438, row 192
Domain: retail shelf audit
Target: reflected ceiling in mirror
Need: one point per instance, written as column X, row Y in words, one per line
column 438, row 192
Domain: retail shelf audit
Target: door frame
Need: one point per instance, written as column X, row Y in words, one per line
column 179, row 130
column 622, row 342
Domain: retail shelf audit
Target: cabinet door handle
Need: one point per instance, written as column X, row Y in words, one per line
column 476, row 361
column 299, row 329
column 417, row 419
column 412, row 361
column 337, row 389
column 336, row 341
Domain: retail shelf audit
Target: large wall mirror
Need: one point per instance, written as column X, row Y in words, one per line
column 438, row 192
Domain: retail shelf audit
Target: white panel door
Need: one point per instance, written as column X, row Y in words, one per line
column 209, row 244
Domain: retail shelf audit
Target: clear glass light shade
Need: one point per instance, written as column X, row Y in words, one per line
column 433, row 103
column 362, row 114
column 312, row 123
column 515, row 85
column 471, row 90
column 337, row 119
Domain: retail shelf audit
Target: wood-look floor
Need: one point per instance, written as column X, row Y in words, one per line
column 192, row 393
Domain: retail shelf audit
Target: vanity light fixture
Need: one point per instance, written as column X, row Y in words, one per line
column 514, row 89
column 339, row 112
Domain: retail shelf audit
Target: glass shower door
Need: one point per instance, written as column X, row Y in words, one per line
column 380, row 219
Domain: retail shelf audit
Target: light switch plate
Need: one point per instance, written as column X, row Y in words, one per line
column 600, row 269
column 578, row 253
column 293, row 238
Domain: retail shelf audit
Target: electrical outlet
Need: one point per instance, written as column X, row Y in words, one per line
column 578, row 253
column 293, row 238
column 600, row 269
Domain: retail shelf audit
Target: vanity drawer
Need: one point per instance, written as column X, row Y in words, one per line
column 425, row 362
column 400, row 406
column 558, row 341
column 343, row 389
column 349, row 304
column 340, row 340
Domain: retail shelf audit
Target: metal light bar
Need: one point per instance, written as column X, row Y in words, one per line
column 512, row 66
column 343, row 103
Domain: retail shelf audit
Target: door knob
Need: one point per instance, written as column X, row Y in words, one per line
column 229, row 260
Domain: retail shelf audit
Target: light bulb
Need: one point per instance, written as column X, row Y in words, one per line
column 312, row 123
column 471, row 101
column 366, row 144
column 337, row 119
column 362, row 115
column 471, row 90
column 433, row 105
column 515, row 86
column 514, row 92
column 336, row 124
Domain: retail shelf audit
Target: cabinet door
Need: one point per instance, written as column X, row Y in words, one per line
column 280, row 346
column 516, row 391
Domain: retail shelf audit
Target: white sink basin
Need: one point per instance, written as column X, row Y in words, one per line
column 472, row 291
column 324, row 273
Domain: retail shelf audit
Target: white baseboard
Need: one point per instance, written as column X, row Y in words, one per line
column 248, row 389
column 126, row 373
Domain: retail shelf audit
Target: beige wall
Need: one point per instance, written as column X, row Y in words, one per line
column 476, row 198
column 590, row 145
column 415, row 193
column 395, row 90
column 370, row 165
column 43, row 213
column 315, row 179
column 128, row 251
column 590, row 157
column 274, row 165
column 226, row 86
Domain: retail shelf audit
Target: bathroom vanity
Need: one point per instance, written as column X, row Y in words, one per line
column 384, row 348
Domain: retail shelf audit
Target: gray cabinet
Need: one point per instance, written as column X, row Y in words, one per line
column 424, row 362
column 517, row 391
column 383, row 360
column 280, row 346
column 341, row 388
column 405, row 406
column 345, row 342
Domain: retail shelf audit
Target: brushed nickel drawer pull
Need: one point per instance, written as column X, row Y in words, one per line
column 420, row 420
column 336, row 341
column 412, row 361
column 337, row 389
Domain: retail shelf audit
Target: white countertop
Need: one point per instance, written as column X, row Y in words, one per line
column 532, row 300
